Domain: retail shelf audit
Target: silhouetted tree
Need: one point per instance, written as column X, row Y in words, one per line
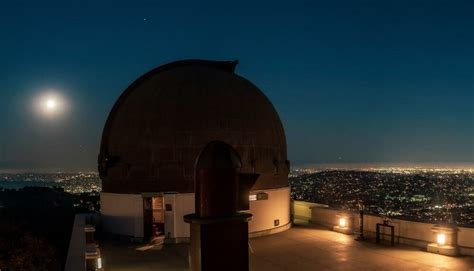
column 24, row 251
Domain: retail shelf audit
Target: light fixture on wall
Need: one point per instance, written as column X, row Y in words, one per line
column 444, row 240
column 441, row 239
column 93, row 259
column 99, row 263
column 343, row 223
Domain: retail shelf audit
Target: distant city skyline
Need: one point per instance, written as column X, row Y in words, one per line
column 356, row 82
column 313, row 166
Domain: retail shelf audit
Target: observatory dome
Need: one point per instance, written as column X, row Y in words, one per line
column 162, row 121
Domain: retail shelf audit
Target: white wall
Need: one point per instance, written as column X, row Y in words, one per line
column 406, row 232
column 182, row 204
column 122, row 214
column 266, row 211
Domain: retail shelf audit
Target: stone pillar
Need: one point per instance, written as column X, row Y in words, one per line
column 219, row 232
column 344, row 223
column 445, row 240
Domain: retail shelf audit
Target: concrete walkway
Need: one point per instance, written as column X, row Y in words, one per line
column 309, row 248
column 301, row 248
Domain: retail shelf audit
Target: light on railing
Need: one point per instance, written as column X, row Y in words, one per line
column 441, row 239
column 342, row 222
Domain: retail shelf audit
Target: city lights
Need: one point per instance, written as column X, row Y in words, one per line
column 417, row 194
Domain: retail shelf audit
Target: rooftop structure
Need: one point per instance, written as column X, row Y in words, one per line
column 301, row 248
column 306, row 246
column 155, row 132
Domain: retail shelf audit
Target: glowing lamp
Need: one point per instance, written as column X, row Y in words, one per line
column 342, row 222
column 444, row 240
column 99, row 263
column 441, row 239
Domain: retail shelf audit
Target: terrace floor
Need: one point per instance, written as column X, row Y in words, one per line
column 303, row 247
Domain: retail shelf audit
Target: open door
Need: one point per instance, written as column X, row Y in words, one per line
column 153, row 216
column 158, row 216
column 147, row 219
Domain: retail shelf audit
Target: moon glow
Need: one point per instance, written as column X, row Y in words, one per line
column 50, row 105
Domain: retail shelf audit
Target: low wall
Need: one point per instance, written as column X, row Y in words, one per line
column 406, row 232
column 302, row 209
column 466, row 241
column 76, row 260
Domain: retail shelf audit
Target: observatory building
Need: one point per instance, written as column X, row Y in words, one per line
column 155, row 132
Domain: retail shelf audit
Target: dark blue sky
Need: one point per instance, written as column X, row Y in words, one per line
column 353, row 81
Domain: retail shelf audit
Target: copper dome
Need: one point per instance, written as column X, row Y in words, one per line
column 160, row 123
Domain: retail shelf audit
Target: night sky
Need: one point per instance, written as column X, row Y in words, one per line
column 353, row 81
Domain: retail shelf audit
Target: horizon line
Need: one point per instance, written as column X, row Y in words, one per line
column 419, row 165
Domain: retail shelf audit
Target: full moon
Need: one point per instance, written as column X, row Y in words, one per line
column 50, row 104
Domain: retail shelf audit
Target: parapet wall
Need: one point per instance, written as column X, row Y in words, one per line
column 76, row 256
column 406, row 232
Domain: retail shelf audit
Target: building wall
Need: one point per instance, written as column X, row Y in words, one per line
column 406, row 232
column 123, row 213
column 265, row 212
column 182, row 204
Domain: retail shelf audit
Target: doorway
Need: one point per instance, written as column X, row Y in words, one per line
column 153, row 218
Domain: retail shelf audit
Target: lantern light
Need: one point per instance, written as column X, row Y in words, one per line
column 342, row 222
column 441, row 239
column 445, row 239
column 99, row 264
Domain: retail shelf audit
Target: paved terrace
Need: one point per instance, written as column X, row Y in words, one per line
column 301, row 248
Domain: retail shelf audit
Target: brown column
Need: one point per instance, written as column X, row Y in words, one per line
column 219, row 232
